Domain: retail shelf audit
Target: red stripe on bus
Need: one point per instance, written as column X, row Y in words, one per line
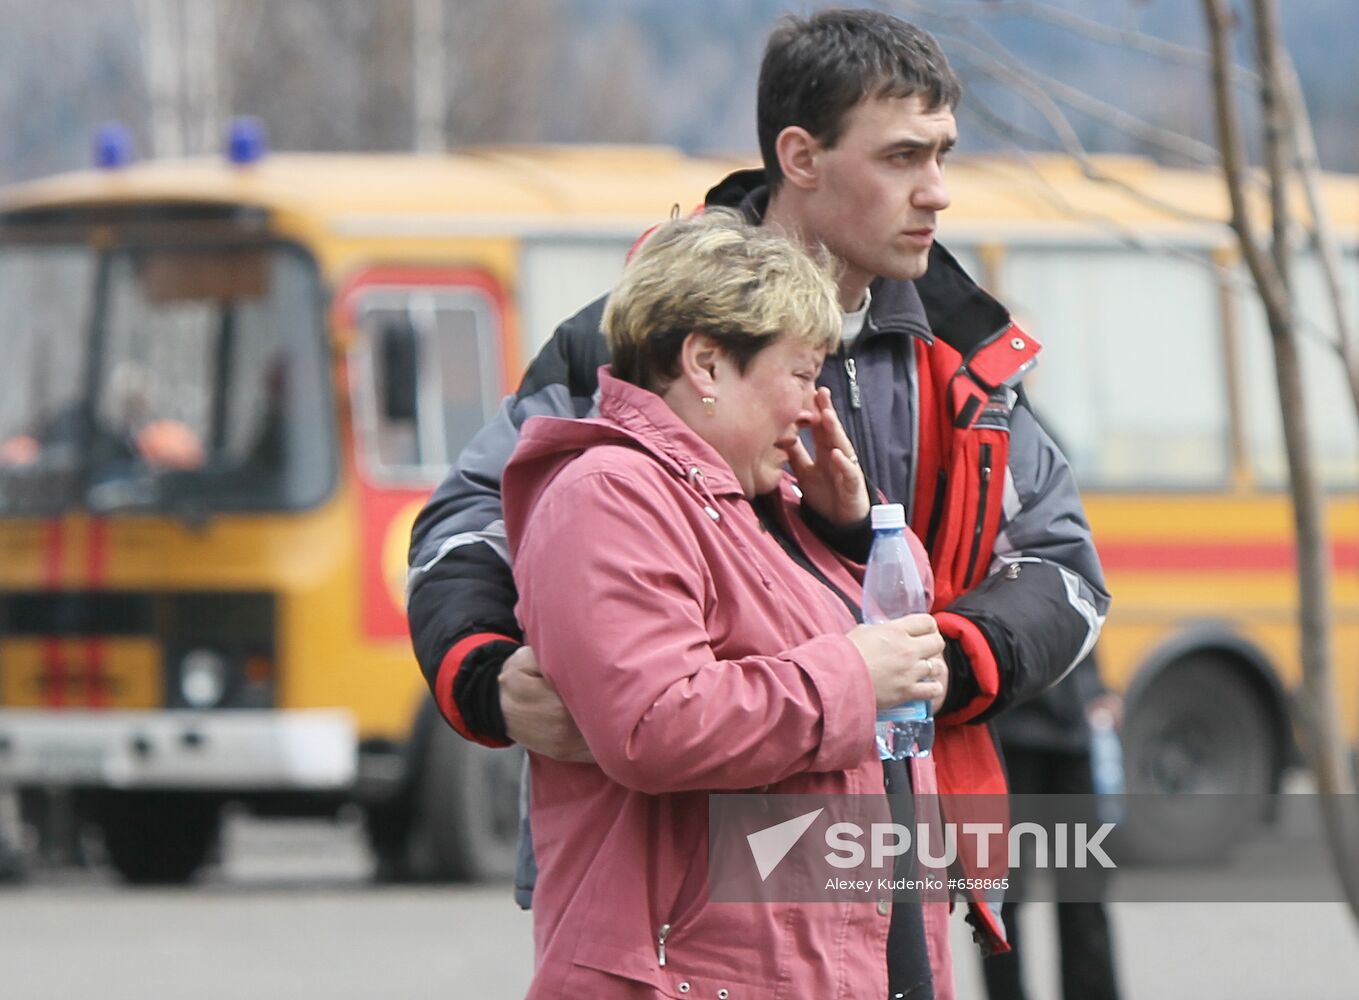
column 96, row 566
column 53, row 660
column 1187, row 557
column 52, row 546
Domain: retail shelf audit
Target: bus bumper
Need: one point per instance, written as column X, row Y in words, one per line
column 312, row 750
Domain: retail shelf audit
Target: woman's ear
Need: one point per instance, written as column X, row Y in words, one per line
column 698, row 363
column 797, row 149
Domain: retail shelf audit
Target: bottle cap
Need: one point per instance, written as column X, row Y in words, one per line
column 888, row 515
column 1101, row 718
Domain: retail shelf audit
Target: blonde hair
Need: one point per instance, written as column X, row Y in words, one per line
column 715, row 274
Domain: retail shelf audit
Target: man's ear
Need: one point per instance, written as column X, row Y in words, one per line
column 699, row 355
column 797, row 152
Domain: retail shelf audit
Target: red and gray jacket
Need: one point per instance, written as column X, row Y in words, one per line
column 927, row 395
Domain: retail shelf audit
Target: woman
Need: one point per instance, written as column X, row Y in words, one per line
column 697, row 629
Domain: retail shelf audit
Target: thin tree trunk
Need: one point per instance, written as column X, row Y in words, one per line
column 161, row 58
column 202, row 90
column 1319, row 715
column 430, row 82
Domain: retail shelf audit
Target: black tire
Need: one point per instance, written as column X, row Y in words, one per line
column 465, row 811
column 1201, row 755
column 158, row 838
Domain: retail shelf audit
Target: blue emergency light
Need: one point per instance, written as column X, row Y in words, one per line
column 112, row 146
column 246, row 140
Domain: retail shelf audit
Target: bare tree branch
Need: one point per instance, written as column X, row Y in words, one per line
column 1070, row 142
column 1018, row 138
column 1272, row 293
column 1276, row 132
column 1124, row 38
column 1154, row 135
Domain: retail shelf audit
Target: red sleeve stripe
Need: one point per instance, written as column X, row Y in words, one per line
column 983, row 660
column 448, row 672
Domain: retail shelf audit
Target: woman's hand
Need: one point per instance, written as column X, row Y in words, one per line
column 905, row 660
column 833, row 485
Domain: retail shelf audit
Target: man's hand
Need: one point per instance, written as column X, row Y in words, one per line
column 535, row 717
column 833, row 485
column 170, row 444
column 937, row 702
column 19, row 450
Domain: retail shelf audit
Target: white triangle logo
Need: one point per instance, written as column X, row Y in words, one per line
column 772, row 844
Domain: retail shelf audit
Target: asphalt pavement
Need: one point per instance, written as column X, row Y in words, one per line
column 290, row 912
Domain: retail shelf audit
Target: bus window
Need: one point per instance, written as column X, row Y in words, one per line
column 561, row 275
column 1330, row 410
column 438, row 346
column 1132, row 375
column 226, row 343
column 45, row 301
column 209, row 393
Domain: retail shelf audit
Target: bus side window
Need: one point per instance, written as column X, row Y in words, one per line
column 1330, row 410
column 429, row 377
column 1132, row 375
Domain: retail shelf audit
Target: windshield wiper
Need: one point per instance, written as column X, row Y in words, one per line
column 145, row 494
column 113, row 496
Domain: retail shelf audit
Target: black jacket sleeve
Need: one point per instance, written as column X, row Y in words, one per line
column 460, row 591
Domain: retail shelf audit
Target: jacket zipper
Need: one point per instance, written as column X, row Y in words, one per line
column 854, row 426
column 981, row 514
column 856, row 400
column 660, row 942
column 937, row 510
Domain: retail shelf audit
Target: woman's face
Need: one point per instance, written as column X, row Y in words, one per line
column 758, row 414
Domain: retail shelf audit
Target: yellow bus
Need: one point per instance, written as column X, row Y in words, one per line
column 230, row 383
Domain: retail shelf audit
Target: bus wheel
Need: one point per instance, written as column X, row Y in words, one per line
column 1201, row 734
column 465, row 817
column 158, row 838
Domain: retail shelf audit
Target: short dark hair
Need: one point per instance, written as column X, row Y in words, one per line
column 816, row 70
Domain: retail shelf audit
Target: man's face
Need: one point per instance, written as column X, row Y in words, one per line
column 880, row 188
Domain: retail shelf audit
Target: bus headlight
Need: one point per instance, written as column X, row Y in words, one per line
column 203, row 678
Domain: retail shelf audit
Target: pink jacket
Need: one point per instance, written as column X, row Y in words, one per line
column 696, row 656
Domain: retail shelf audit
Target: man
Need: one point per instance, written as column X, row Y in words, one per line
column 855, row 118
column 1048, row 746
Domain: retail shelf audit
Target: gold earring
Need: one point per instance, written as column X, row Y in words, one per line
column 709, row 404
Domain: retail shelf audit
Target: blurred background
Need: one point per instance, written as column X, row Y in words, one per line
column 237, row 358
column 358, row 75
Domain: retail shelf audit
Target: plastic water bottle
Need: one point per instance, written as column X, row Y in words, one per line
column 1106, row 767
column 893, row 589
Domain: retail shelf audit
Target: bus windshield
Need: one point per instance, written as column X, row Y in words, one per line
column 181, row 380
